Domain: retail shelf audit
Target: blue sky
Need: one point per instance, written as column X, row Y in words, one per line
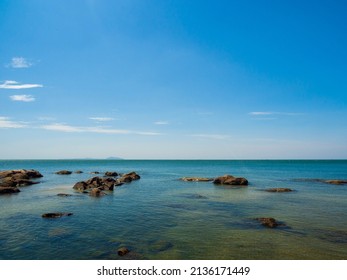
column 173, row 79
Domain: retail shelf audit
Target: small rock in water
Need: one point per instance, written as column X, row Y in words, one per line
column 196, row 179
column 111, row 174
column 230, row 180
column 279, row 190
column 123, row 251
column 8, row 190
column 63, row 172
column 78, row 171
column 96, row 192
column 56, row 215
column 64, row 194
column 269, row 222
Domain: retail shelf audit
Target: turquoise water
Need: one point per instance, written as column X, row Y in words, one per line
column 161, row 217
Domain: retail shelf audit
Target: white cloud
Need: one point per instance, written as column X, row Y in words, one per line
column 5, row 122
column 23, row 98
column 20, row 62
column 100, row 130
column 274, row 113
column 161, row 122
column 261, row 113
column 101, row 119
column 16, row 85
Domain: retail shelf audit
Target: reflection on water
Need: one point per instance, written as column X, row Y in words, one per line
column 161, row 217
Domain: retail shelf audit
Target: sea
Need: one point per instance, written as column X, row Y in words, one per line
column 161, row 217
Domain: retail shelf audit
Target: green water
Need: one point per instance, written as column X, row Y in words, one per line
column 161, row 217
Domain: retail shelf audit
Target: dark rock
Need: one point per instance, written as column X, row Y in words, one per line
column 56, row 215
column 80, row 186
column 336, row 182
column 279, row 190
column 8, row 190
column 96, row 192
column 332, row 182
column 196, row 179
column 230, row 180
column 18, row 178
column 128, row 177
column 95, row 172
column 111, row 174
column 78, row 171
column 21, row 173
column 64, row 194
column 63, row 172
column 269, row 222
column 123, row 251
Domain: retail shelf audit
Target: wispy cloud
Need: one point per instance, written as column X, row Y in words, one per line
column 212, row 136
column 101, row 119
column 23, row 98
column 161, row 123
column 102, row 130
column 6, row 122
column 16, row 85
column 19, row 62
column 275, row 113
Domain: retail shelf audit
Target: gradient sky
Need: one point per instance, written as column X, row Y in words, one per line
column 156, row 79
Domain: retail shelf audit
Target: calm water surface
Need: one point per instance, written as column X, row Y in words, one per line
column 161, row 217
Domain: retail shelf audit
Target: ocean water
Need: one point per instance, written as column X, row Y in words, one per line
column 160, row 217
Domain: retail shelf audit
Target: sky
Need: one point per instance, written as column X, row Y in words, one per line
column 173, row 79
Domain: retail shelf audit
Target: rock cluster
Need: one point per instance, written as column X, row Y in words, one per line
column 230, row 180
column 96, row 185
column 10, row 180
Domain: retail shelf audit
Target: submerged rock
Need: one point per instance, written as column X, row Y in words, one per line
column 230, row 180
column 332, row 181
column 96, row 192
column 78, row 172
column 64, row 194
column 56, row 215
column 8, row 190
column 336, row 182
column 63, row 172
column 123, row 251
column 279, row 190
column 196, row 179
column 269, row 222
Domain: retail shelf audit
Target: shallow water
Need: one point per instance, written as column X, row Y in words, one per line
column 161, row 217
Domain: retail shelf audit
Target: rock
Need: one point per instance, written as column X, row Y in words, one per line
column 63, row 172
column 196, row 179
column 95, row 172
column 269, row 222
column 128, row 177
column 56, row 215
column 64, row 194
column 106, row 184
column 111, row 174
column 230, row 180
column 279, row 190
column 78, row 171
column 336, row 182
column 29, row 174
column 96, row 192
column 80, row 186
column 8, row 190
column 123, row 251
column 18, row 178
